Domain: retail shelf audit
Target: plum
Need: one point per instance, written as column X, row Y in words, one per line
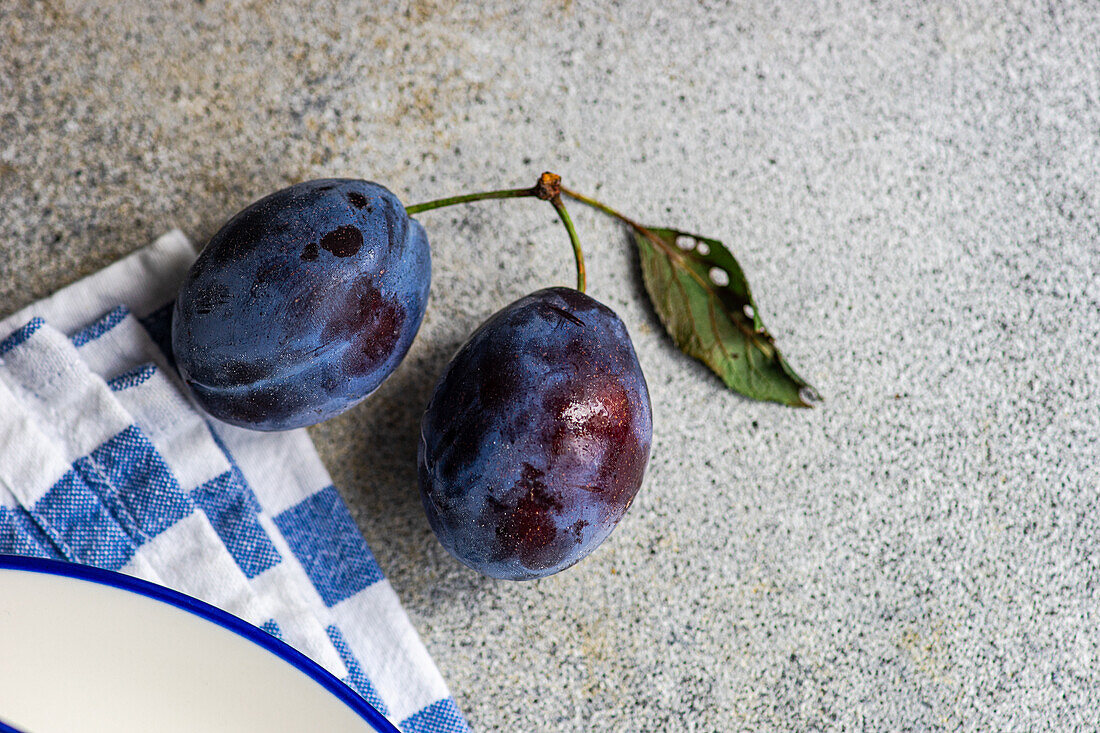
column 302, row 304
column 536, row 437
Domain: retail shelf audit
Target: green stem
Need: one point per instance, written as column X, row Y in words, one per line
column 599, row 206
column 578, row 255
column 547, row 188
column 511, row 193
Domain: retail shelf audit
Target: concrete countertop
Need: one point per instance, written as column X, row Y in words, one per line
column 912, row 190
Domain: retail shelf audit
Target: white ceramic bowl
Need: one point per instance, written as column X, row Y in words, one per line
column 85, row 650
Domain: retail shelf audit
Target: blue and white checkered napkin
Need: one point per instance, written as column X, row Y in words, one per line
column 105, row 461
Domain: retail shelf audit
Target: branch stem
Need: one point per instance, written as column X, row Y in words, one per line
column 548, row 188
column 600, row 206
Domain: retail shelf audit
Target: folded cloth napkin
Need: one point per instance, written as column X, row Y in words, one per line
column 105, row 460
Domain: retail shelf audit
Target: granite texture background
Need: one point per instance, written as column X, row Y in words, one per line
column 912, row 190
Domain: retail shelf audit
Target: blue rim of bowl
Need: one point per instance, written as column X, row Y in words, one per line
column 210, row 613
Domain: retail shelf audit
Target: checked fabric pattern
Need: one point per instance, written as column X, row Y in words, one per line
column 105, row 461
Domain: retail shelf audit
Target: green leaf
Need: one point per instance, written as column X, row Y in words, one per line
column 712, row 316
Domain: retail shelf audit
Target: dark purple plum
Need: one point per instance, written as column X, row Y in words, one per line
column 536, row 437
column 302, row 304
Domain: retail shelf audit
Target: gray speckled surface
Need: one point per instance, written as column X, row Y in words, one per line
column 913, row 192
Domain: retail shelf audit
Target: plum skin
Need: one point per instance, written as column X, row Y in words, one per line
column 536, row 437
column 302, row 304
